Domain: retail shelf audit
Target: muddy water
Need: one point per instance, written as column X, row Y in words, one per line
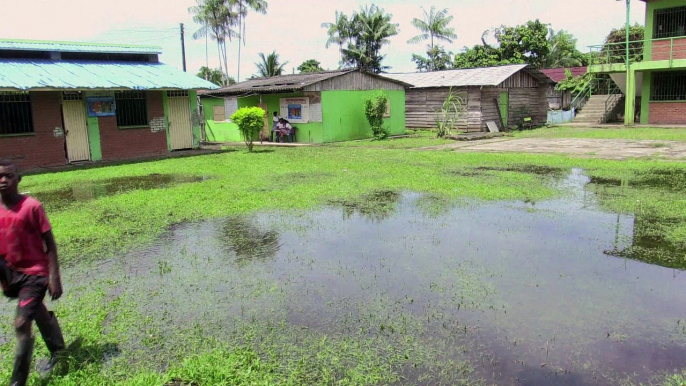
column 525, row 291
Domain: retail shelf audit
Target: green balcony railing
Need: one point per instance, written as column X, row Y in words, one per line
column 639, row 50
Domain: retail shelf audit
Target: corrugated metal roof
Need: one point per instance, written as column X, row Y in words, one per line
column 281, row 83
column 485, row 76
column 55, row 46
column 558, row 74
column 30, row 74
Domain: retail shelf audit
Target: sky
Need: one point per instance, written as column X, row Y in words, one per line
column 293, row 27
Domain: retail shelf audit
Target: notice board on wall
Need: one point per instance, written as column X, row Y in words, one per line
column 101, row 106
column 295, row 110
column 230, row 107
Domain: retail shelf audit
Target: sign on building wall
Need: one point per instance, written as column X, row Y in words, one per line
column 101, row 106
column 316, row 112
column 295, row 110
column 230, row 107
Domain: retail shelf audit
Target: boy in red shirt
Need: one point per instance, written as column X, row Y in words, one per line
column 28, row 267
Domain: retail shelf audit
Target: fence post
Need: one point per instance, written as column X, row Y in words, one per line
column 671, row 52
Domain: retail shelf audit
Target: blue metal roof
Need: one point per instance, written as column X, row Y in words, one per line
column 36, row 45
column 43, row 74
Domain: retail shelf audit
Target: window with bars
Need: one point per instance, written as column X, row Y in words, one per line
column 132, row 108
column 15, row 114
column 670, row 22
column 668, row 86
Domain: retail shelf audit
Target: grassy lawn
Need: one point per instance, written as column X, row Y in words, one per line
column 105, row 222
column 642, row 133
column 415, row 139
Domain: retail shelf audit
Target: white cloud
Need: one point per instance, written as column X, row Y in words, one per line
column 293, row 28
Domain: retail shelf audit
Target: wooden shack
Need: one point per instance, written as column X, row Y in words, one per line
column 505, row 95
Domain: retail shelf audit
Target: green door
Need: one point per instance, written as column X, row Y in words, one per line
column 503, row 104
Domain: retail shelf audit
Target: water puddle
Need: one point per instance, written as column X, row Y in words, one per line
column 90, row 190
column 528, row 294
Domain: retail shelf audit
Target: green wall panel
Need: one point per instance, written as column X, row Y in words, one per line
column 344, row 117
column 193, row 95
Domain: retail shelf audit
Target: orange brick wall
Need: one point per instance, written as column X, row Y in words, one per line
column 131, row 143
column 662, row 48
column 667, row 113
column 42, row 148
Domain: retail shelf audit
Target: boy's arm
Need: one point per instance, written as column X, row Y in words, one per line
column 55, row 282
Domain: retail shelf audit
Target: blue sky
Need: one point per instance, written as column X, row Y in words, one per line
column 293, row 27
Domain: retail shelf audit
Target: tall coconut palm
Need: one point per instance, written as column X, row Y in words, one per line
column 370, row 29
column 243, row 7
column 270, row 65
column 217, row 21
column 434, row 26
column 338, row 32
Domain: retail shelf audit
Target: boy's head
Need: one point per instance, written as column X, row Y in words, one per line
column 275, row 113
column 9, row 178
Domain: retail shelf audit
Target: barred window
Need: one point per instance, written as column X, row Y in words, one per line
column 668, row 86
column 670, row 22
column 15, row 113
column 131, row 108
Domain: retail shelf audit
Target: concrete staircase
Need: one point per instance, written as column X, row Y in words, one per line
column 594, row 109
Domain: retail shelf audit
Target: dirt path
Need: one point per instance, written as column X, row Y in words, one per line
column 592, row 148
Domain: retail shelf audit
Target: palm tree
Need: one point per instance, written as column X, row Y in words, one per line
column 270, row 65
column 369, row 31
column 338, row 32
column 216, row 20
column 243, row 7
column 434, row 26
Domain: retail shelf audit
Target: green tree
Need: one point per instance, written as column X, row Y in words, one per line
column 563, row 52
column 250, row 121
column 434, row 26
column 215, row 76
column 527, row 42
column 374, row 110
column 481, row 56
column 217, row 20
column 243, row 7
column 437, row 59
column 368, row 31
column 310, row 65
column 339, row 32
column 614, row 49
column 270, row 65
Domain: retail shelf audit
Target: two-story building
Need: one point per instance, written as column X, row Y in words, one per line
column 63, row 102
column 654, row 85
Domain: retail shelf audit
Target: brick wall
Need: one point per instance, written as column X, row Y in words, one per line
column 132, row 143
column 662, row 49
column 43, row 148
column 667, row 113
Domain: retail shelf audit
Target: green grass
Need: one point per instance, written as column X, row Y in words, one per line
column 636, row 133
column 264, row 353
column 416, row 139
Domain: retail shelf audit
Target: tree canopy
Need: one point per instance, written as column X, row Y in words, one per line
column 269, row 65
column 215, row 76
column 437, row 59
column 310, row 65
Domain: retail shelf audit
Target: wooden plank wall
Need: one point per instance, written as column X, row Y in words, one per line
column 354, row 81
column 528, row 102
column 489, row 106
column 421, row 106
column 520, row 79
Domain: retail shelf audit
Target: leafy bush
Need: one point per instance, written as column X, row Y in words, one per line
column 250, row 121
column 451, row 113
column 374, row 110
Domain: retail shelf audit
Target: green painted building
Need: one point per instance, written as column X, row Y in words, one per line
column 323, row 107
column 654, row 84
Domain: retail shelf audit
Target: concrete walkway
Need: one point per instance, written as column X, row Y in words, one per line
column 592, row 148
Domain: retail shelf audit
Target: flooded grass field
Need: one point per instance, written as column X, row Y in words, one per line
column 391, row 287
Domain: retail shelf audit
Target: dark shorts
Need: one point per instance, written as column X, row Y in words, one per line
column 29, row 289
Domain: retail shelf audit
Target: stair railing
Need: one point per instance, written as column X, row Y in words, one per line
column 614, row 96
column 582, row 97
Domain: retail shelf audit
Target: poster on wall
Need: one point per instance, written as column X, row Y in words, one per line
column 295, row 110
column 101, row 106
column 230, row 107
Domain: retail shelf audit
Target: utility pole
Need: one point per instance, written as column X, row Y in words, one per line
column 629, row 106
column 183, row 48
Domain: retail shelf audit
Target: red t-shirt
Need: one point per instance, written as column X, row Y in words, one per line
column 21, row 240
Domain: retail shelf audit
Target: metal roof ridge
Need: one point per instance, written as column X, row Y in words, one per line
column 85, row 44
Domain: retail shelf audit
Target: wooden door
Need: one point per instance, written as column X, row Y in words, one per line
column 76, row 130
column 180, row 128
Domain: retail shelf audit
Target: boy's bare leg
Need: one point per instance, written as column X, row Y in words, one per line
column 49, row 329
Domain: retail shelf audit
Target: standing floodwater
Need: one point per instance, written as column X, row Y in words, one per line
column 511, row 292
